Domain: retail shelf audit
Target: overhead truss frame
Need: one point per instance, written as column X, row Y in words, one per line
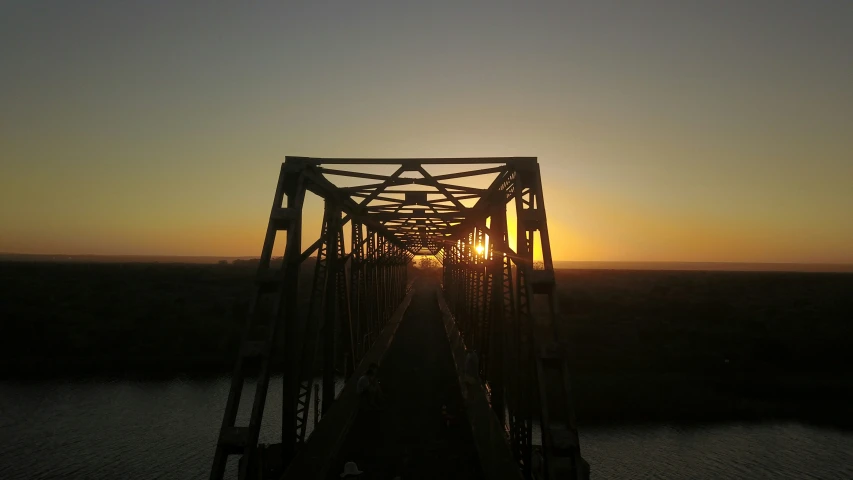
column 505, row 309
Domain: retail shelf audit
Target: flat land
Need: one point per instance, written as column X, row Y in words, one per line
column 646, row 346
column 709, row 346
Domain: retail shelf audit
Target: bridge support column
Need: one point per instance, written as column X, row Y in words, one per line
column 330, row 297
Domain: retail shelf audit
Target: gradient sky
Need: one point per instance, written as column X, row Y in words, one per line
column 666, row 130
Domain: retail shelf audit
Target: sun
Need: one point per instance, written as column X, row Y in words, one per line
column 480, row 249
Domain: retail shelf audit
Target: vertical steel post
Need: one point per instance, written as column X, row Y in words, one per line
column 357, row 290
column 497, row 336
column 524, row 328
column 290, row 290
column 331, row 304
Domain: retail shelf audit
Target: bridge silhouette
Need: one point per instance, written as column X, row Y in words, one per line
column 363, row 309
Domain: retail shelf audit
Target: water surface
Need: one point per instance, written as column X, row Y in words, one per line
column 167, row 429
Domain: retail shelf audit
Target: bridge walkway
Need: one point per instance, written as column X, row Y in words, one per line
column 409, row 436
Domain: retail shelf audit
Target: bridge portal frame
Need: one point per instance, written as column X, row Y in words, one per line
column 504, row 307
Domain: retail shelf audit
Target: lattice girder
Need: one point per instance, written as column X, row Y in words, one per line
column 454, row 209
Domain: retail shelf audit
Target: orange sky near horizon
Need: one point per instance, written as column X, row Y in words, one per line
column 665, row 132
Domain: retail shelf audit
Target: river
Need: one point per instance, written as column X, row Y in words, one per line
column 166, row 429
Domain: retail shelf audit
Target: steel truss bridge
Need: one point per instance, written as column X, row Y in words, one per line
column 493, row 298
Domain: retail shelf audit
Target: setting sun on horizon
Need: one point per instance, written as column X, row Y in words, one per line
column 691, row 132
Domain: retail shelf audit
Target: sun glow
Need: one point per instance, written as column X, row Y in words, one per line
column 480, row 249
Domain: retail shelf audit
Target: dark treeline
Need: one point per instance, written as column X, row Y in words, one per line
column 645, row 345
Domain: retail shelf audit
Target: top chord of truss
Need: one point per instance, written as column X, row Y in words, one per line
column 411, row 161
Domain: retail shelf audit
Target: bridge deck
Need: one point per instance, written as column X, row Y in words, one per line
column 409, row 436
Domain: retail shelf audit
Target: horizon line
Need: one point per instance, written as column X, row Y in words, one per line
column 844, row 267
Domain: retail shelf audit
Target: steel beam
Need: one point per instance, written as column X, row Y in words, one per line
column 492, row 293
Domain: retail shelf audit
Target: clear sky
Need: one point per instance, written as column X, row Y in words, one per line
column 666, row 130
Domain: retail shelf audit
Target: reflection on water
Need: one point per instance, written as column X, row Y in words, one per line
column 167, row 429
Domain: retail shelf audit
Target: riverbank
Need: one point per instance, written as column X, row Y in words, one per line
column 647, row 347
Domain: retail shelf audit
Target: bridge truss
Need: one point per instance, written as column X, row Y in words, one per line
column 504, row 307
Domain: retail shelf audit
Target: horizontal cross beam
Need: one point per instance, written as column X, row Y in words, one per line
column 412, row 161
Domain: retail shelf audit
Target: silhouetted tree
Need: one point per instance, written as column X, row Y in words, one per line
column 427, row 262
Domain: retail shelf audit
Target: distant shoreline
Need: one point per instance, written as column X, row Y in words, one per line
column 708, row 266
column 660, row 346
column 39, row 257
column 571, row 265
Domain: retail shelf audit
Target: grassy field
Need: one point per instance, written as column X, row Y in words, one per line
column 70, row 318
column 707, row 346
column 646, row 345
